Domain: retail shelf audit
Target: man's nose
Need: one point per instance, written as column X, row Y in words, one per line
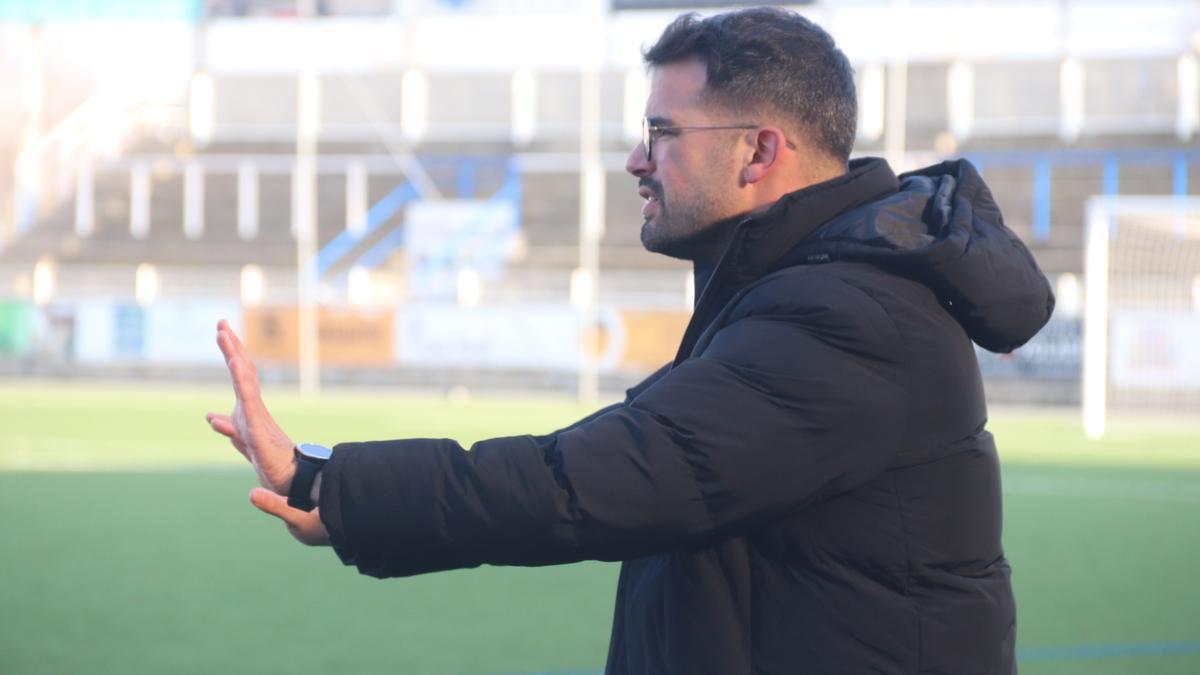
column 636, row 163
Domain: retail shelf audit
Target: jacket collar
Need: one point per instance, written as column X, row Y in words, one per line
column 762, row 239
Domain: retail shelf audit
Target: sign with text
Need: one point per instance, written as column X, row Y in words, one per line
column 651, row 337
column 346, row 337
column 1155, row 350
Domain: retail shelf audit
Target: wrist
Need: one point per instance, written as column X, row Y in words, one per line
column 314, row 495
column 289, row 476
column 308, row 460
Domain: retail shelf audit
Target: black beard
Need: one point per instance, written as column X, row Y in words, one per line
column 705, row 245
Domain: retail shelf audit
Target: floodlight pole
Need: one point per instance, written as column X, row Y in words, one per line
column 1095, row 316
column 304, row 228
column 591, row 209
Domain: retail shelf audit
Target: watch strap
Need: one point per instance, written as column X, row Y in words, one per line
column 300, row 493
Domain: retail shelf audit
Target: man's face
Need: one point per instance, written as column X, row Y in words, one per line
column 691, row 181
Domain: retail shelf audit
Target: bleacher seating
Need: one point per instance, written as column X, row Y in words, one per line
column 1040, row 179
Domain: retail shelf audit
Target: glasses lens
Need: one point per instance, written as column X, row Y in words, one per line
column 646, row 137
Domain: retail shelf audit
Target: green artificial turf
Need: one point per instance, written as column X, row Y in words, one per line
column 86, row 427
column 1104, row 556
column 156, row 573
column 129, row 547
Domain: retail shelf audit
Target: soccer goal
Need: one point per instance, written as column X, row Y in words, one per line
column 1141, row 321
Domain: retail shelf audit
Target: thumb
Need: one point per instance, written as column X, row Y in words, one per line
column 275, row 504
column 305, row 526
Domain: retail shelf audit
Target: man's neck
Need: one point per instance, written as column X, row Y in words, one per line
column 706, row 248
column 706, row 245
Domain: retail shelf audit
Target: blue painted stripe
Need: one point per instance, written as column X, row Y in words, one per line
column 513, row 180
column 510, row 191
column 1112, row 186
column 377, row 215
column 1179, row 185
column 1088, row 652
column 1083, row 156
column 1042, row 199
column 1112, row 175
column 466, row 179
column 378, row 254
column 1179, row 178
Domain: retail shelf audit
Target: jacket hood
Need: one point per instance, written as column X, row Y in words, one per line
column 944, row 229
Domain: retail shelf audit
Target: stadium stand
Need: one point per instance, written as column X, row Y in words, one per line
column 471, row 136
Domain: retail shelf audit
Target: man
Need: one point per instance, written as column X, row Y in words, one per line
column 809, row 486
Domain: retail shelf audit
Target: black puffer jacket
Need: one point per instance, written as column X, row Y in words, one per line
column 808, row 488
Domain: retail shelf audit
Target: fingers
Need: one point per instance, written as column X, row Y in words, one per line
column 221, row 424
column 229, row 347
column 241, row 368
column 228, row 341
column 306, row 526
column 274, row 504
column 225, row 340
column 224, row 425
column 250, row 427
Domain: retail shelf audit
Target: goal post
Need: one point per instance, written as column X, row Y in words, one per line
column 1141, row 321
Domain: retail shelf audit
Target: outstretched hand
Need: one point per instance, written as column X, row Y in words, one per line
column 250, row 427
column 256, row 435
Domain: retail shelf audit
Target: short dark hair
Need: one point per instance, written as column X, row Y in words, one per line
column 769, row 59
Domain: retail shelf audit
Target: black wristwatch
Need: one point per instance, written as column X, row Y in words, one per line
column 310, row 459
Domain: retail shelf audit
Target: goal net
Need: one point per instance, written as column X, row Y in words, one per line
column 1141, row 322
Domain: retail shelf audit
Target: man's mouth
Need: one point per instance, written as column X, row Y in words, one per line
column 651, row 206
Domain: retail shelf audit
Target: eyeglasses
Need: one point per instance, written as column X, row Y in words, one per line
column 653, row 131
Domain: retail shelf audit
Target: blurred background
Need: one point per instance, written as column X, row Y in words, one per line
column 431, row 193
column 424, row 201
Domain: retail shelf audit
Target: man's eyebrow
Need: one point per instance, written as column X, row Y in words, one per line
column 658, row 121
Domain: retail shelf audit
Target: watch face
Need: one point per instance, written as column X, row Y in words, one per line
column 314, row 451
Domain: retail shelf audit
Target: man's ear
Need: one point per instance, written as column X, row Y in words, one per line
column 768, row 145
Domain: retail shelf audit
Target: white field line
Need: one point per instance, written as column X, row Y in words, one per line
column 1108, row 488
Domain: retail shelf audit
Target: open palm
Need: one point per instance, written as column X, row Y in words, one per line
column 255, row 434
column 250, row 427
